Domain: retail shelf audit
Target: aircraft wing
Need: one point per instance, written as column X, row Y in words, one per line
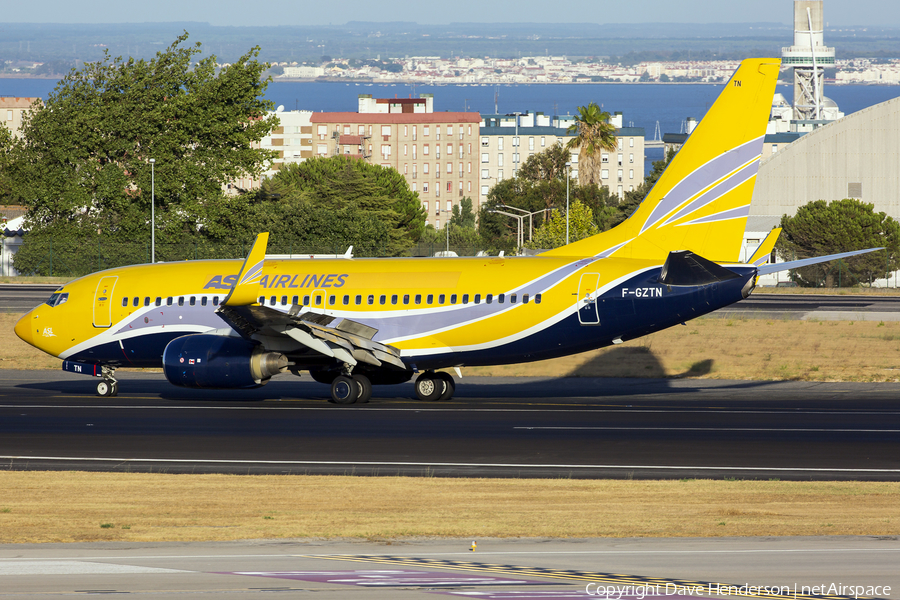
column 796, row 264
column 348, row 341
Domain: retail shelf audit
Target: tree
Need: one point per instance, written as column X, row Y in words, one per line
column 349, row 188
column 83, row 165
column 552, row 234
column 593, row 135
column 821, row 228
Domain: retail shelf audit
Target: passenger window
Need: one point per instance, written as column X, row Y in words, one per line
column 405, row 298
column 477, row 298
column 418, row 298
column 169, row 301
column 146, row 300
column 394, row 299
column 215, row 300
column 452, row 298
column 284, row 300
column 489, row 298
column 371, row 299
column 203, row 301
column 180, row 300
column 359, row 299
column 512, row 298
column 124, row 301
column 501, row 298
column 382, row 299
column 305, row 300
column 295, row 299
column 346, row 299
column 429, row 299
column 318, row 300
column 441, row 299
column 465, row 299
column 262, row 300
column 158, row 301
column 136, row 301
column 332, row 300
column 524, row 298
column 193, row 300
column 537, row 298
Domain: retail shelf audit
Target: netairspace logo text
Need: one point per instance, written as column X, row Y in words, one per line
column 617, row 592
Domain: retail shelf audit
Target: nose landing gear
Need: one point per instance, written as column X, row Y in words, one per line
column 108, row 386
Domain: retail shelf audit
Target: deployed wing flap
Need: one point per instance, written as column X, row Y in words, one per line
column 349, row 342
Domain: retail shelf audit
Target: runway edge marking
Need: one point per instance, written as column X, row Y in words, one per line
column 572, row 575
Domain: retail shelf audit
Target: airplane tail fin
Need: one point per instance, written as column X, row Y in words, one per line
column 246, row 290
column 701, row 201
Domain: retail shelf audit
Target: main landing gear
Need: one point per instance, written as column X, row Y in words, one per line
column 431, row 386
column 108, row 386
column 351, row 389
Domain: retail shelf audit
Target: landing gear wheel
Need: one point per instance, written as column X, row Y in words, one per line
column 429, row 388
column 449, row 385
column 105, row 388
column 115, row 388
column 344, row 390
column 365, row 388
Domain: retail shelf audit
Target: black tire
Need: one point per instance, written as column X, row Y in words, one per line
column 115, row 389
column 344, row 390
column 429, row 388
column 365, row 388
column 449, row 385
column 104, row 389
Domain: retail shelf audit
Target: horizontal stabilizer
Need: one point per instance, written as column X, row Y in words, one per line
column 686, row 268
column 796, row 264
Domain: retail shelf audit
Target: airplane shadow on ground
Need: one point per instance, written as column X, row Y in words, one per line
column 624, row 371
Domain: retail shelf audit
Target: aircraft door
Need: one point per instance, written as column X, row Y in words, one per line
column 587, row 299
column 103, row 301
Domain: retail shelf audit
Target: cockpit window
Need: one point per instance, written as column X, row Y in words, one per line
column 57, row 298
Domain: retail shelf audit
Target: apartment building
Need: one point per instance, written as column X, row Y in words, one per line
column 12, row 110
column 437, row 153
column 508, row 140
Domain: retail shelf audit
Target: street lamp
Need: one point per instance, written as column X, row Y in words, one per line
column 152, row 210
column 568, row 166
column 520, row 234
column 530, row 216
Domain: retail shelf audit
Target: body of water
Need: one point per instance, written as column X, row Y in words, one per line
column 642, row 105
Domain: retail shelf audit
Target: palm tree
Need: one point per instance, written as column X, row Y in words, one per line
column 593, row 134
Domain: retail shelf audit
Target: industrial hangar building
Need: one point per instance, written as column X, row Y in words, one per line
column 857, row 156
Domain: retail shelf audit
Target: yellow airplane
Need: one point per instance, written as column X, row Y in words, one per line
column 352, row 323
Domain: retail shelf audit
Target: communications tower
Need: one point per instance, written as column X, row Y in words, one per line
column 809, row 57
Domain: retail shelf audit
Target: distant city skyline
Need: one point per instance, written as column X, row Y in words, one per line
column 838, row 13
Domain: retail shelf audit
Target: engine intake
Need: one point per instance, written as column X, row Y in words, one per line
column 219, row 362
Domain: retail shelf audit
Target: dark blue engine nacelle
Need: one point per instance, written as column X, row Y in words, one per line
column 220, row 362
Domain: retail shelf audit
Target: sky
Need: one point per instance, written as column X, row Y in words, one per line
column 838, row 13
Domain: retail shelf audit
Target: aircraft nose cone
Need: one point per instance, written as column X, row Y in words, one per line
column 23, row 329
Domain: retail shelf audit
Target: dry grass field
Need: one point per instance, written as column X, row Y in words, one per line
column 74, row 507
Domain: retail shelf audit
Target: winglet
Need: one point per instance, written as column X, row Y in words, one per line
column 246, row 290
column 764, row 251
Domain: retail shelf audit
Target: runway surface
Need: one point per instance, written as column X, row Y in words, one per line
column 501, row 427
column 670, row 569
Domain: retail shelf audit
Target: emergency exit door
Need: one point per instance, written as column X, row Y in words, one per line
column 587, row 299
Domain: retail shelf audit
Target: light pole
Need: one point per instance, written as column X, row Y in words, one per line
column 447, row 227
column 152, row 210
column 530, row 216
column 568, row 166
column 520, row 234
